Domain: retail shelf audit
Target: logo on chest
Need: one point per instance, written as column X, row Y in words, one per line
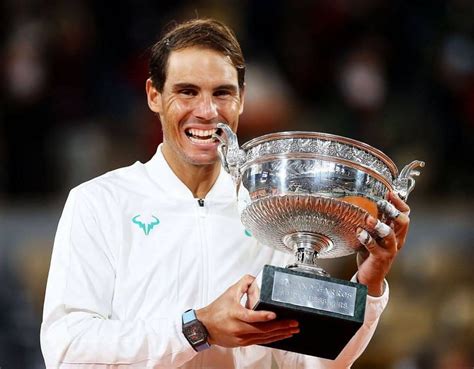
column 146, row 223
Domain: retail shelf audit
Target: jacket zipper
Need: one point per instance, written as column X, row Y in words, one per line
column 202, row 221
column 204, row 255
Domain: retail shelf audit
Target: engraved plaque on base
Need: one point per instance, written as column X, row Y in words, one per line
column 329, row 310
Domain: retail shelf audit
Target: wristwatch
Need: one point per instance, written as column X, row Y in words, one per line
column 194, row 331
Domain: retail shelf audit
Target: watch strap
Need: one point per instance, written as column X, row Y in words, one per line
column 189, row 315
column 203, row 346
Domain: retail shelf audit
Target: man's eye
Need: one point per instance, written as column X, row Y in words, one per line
column 222, row 93
column 188, row 92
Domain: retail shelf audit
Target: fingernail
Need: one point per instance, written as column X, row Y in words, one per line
column 363, row 236
column 271, row 316
column 293, row 331
column 294, row 323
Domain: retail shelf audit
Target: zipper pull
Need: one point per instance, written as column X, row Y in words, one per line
column 201, row 202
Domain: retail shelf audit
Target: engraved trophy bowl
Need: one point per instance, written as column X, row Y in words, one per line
column 306, row 193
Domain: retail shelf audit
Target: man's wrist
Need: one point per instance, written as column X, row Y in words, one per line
column 374, row 289
column 195, row 331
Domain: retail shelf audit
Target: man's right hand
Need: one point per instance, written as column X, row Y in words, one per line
column 231, row 325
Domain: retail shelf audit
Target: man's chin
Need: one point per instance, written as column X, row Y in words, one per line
column 204, row 160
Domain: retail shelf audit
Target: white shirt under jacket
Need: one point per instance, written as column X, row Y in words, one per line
column 116, row 291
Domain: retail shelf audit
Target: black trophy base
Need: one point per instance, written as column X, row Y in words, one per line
column 329, row 310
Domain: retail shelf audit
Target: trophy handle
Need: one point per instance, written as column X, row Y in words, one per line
column 230, row 154
column 405, row 182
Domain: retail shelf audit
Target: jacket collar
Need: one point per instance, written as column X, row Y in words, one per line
column 163, row 176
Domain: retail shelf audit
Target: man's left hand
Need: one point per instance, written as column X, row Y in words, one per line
column 382, row 243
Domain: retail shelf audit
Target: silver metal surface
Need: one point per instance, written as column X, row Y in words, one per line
column 306, row 193
column 314, row 293
column 272, row 219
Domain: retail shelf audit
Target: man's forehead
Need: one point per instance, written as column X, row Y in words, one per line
column 198, row 62
column 198, row 51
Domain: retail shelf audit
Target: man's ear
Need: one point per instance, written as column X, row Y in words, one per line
column 153, row 97
column 242, row 99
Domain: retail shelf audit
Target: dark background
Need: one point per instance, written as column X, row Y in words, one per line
column 398, row 75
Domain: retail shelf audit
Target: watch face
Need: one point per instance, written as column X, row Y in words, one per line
column 194, row 332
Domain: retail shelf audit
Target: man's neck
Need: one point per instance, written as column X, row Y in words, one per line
column 198, row 178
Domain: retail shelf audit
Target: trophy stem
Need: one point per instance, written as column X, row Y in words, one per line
column 307, row 246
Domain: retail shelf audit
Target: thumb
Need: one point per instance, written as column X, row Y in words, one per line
column 253, row 316
column 243, row 285
column 253, row 296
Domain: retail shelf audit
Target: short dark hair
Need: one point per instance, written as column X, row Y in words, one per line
column 206, row 33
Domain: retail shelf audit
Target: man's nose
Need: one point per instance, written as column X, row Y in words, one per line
column 206, row 108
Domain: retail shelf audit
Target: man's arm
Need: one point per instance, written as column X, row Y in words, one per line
column 381, row 242
column 77, row 328
column 354, row 348
column 232, row 325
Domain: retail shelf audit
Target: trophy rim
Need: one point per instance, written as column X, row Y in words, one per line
column 307, row 156
column 325, row 136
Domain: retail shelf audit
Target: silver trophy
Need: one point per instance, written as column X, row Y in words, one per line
column 306, row 193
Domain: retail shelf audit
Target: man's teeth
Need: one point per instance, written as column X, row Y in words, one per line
column 202, row 140
column 201, row 135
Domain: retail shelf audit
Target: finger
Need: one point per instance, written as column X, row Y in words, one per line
column 377, row 227
column 241, row 288
column 273, row 335
column 380, row 246
column 386, row 235
column 253, row 316
column 269, row 328
column 400, row 225
column 266, row 340
column 276, row 325
column 388, row 209
column 253, row 295
column 243, row 285
column 366, row 239
column 401, row 230
column 250, row 316
column 399, row 203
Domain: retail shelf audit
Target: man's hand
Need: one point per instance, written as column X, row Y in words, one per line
column 382, row 243
column 230, row 324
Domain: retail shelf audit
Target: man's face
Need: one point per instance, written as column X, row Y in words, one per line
column 201, row 89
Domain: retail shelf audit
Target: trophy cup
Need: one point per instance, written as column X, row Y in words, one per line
column 306, row 193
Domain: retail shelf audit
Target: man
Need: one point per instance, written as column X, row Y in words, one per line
column 140, row 246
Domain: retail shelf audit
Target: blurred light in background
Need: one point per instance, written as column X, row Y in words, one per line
column 397, row 75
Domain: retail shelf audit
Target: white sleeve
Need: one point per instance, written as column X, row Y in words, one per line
column 78, row 331
column 354, row 348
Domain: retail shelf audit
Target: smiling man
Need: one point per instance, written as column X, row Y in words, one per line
column 200, row 90
column 150, row 262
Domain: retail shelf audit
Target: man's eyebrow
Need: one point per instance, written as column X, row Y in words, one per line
column 184, row 85
column 228, row 87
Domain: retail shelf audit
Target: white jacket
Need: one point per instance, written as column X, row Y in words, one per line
column 133, row 251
